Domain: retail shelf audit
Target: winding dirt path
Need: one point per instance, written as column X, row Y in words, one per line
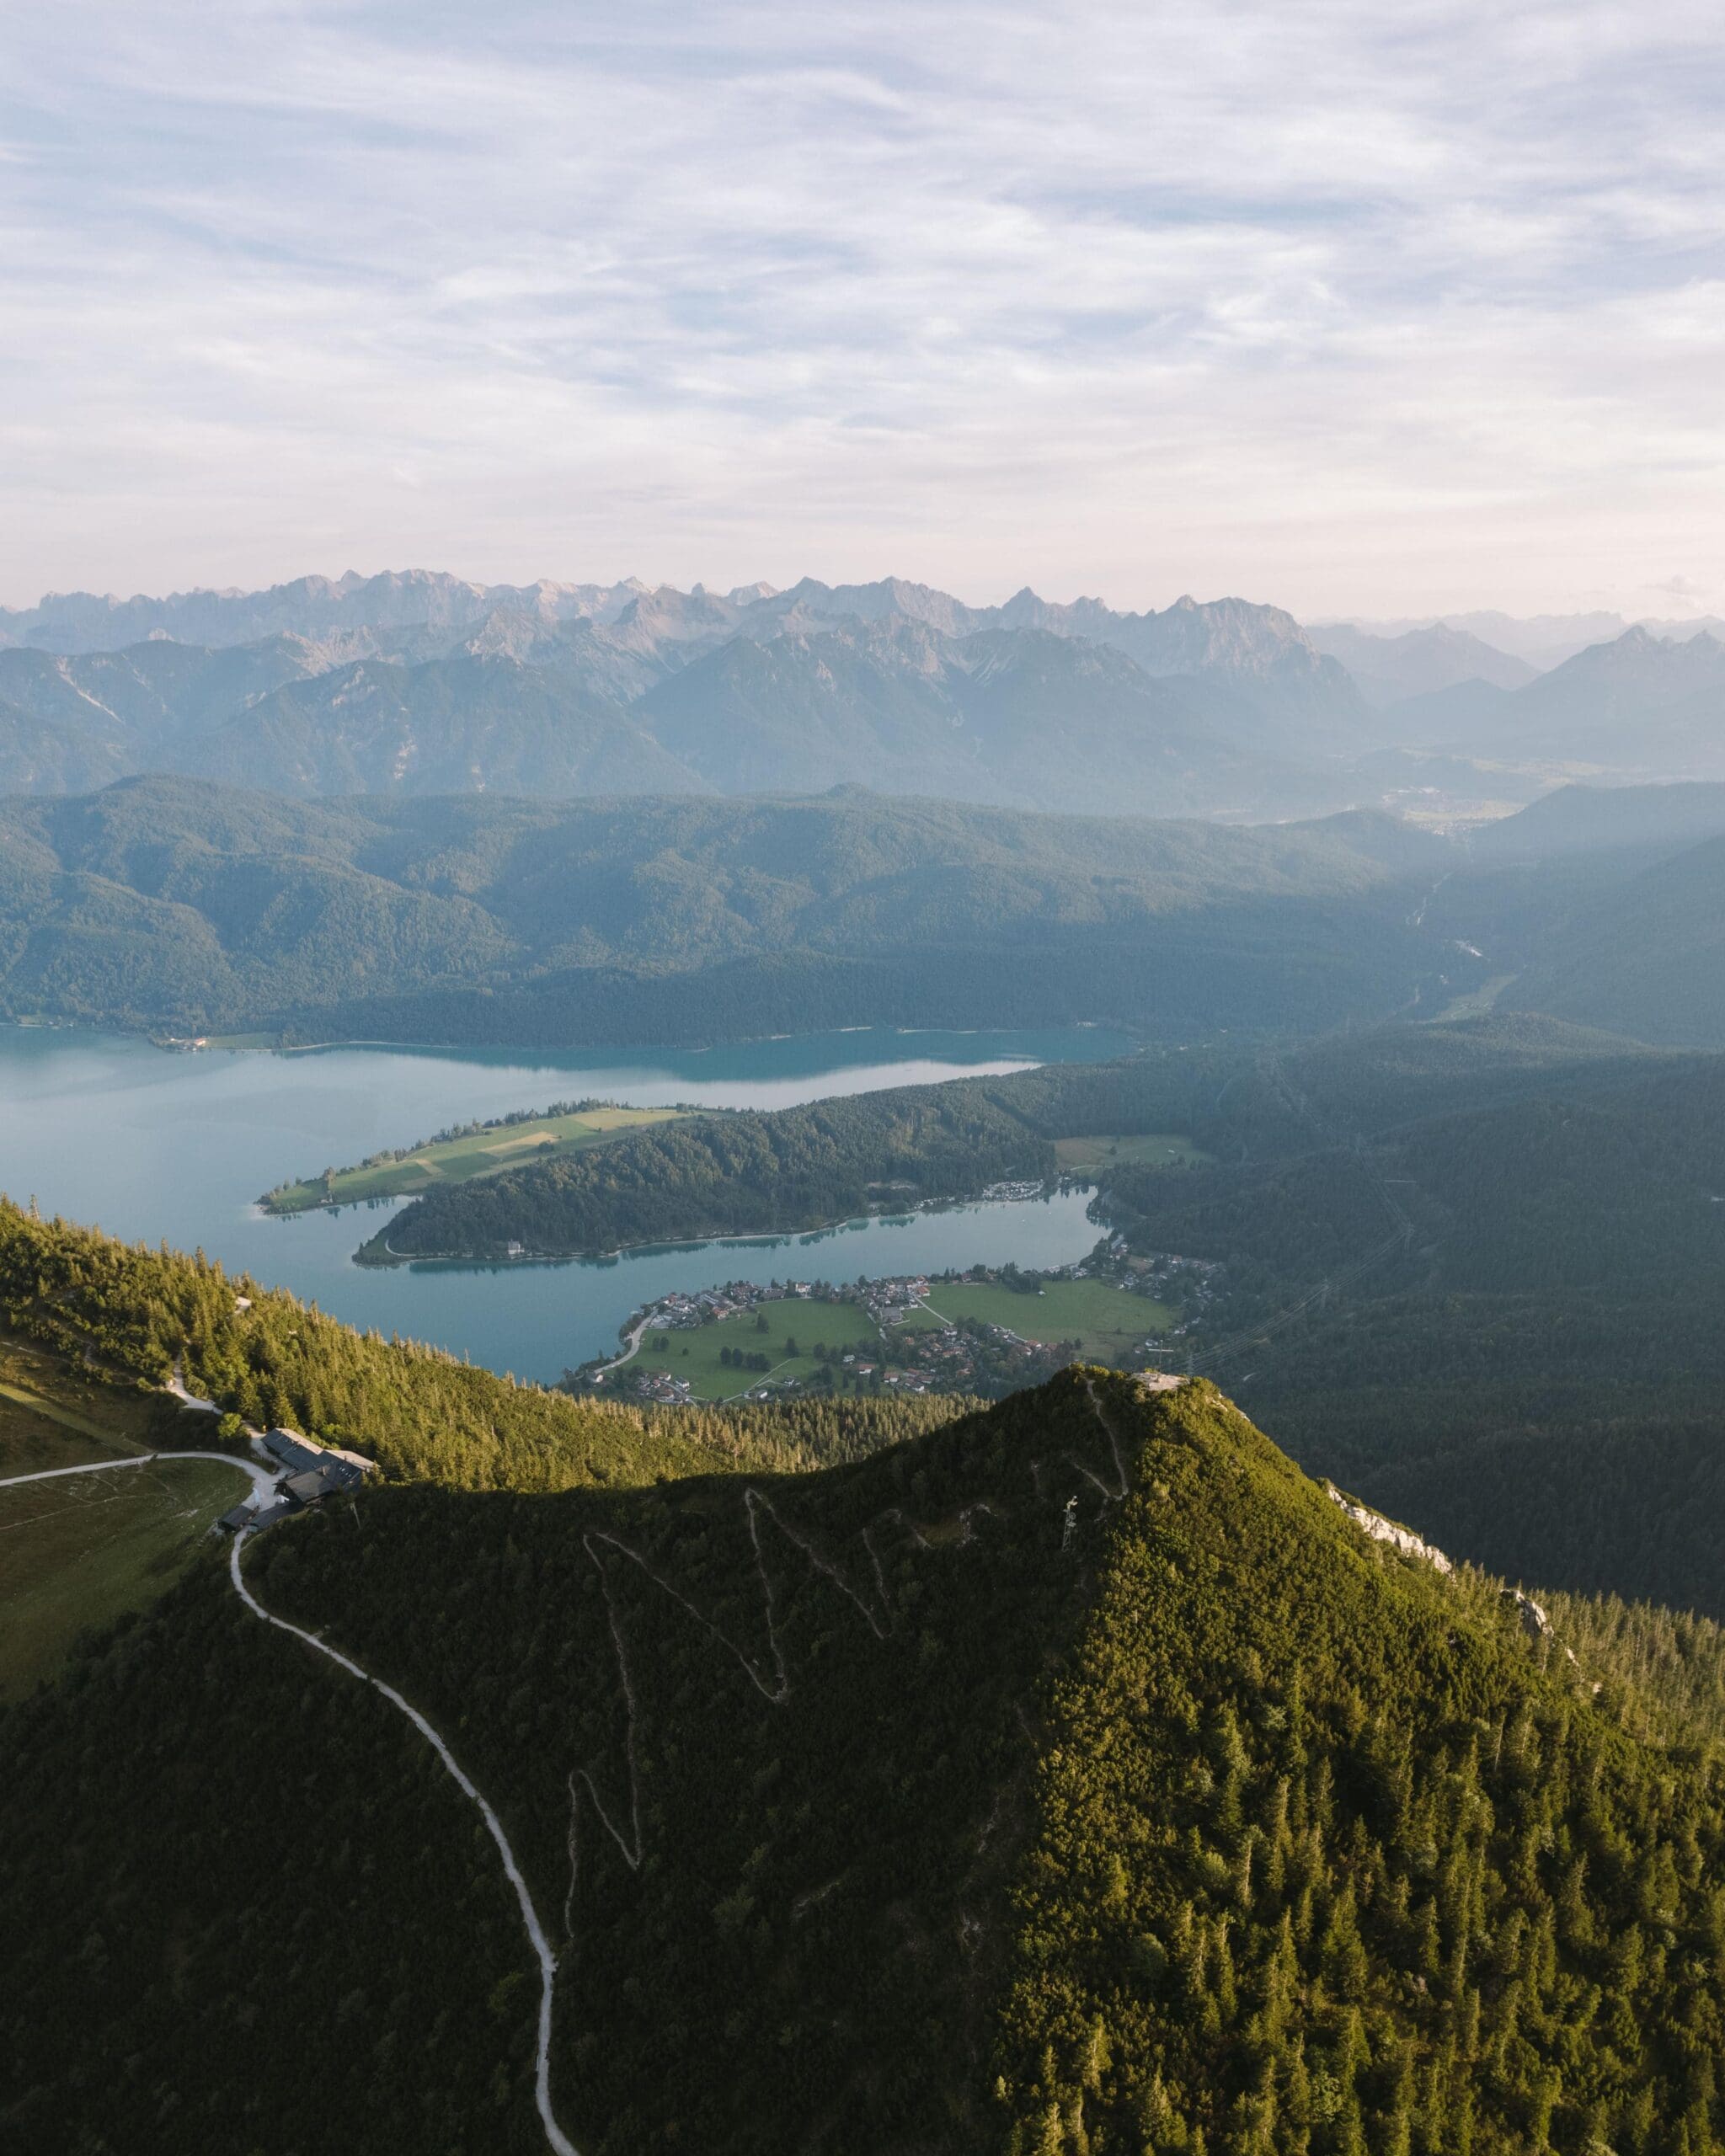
column 264, row 1484
column 554, row 2134
column 262, row 1481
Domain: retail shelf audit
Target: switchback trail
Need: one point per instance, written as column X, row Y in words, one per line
column 554, row 2134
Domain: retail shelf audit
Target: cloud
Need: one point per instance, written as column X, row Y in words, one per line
column 1354, row 308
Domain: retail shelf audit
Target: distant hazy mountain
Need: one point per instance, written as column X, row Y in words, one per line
column 1260, row 652
column 1642, row 703
column 422, row 684
column 1595, row 818
column 1419, row 661
column 310, row 606
column 1645, row 956
column 1019, row 716
column 1543, row 640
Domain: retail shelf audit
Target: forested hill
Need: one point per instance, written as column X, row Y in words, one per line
column 1475, row 1271
column 140, row 1315
column 789, row 1169
column 186, row 908
column 778, row 1171
column 1076, row 1778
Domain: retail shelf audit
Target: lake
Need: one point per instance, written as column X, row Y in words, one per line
column 111, row 1131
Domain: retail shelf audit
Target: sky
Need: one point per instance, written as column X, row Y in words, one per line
column 1363, row 309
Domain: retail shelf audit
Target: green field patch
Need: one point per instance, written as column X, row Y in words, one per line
column 1161, row 1149
column 78, row 1552
column 1109, row 1324
column 695, row 1354
column 459, row 1160
column 55, row 1414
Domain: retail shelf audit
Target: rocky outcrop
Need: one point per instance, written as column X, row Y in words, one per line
column 1386, row 1530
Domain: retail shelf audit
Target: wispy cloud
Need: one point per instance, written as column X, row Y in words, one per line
column 1350, row 307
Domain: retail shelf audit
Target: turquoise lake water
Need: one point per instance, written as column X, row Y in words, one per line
column 106, row 1130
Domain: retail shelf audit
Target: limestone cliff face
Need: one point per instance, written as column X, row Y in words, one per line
column 1386, row 1530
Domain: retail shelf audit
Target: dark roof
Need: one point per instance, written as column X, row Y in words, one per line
column 321, row 1481
column 292, row 1449
column 240, row 1517
column 271, row 1513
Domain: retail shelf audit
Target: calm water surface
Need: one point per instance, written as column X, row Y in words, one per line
column 107, row 1130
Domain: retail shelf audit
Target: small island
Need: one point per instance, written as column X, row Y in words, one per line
column 468, row 1150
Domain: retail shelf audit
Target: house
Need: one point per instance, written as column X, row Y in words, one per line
column 319, row 1482
column 309, row 1473
column 299, row 1455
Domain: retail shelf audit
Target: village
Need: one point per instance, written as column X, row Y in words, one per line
column 986, row 1331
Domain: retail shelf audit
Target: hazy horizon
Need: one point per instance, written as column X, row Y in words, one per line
column 1679, row 616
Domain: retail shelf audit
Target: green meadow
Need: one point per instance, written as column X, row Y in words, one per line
column 459, row 1160
column 75, row 1553
column 1109, row 1324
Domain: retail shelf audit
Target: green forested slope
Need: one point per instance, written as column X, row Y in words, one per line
column 738, row 1174
column 1474, row 1271
column 177, row 905
column 1076, row 1778
column 135, row 1316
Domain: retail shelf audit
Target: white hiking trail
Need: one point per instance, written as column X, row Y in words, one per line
column 263, row 1482
column 554, row 2133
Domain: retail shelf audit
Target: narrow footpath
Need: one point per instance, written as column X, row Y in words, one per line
column 554, row 2133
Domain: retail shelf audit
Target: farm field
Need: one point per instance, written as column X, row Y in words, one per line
column 459, row 1160
column 695, row 1354
column 1109, row 1323
column 76, row 1554
column 1164, row 1148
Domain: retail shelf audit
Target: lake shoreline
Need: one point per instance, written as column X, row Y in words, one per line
column 655, row 1245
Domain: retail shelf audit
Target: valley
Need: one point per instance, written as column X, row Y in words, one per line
column 905, row 1341
column 823, row 1661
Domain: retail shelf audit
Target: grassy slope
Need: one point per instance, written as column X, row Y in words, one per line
column 1096, row 1155
column 459, row 1160
column 75, row 1553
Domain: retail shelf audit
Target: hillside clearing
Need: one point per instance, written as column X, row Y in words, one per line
column 77, row 1554
column 1161, row 1149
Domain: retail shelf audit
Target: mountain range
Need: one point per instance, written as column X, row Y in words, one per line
column 422, row 683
